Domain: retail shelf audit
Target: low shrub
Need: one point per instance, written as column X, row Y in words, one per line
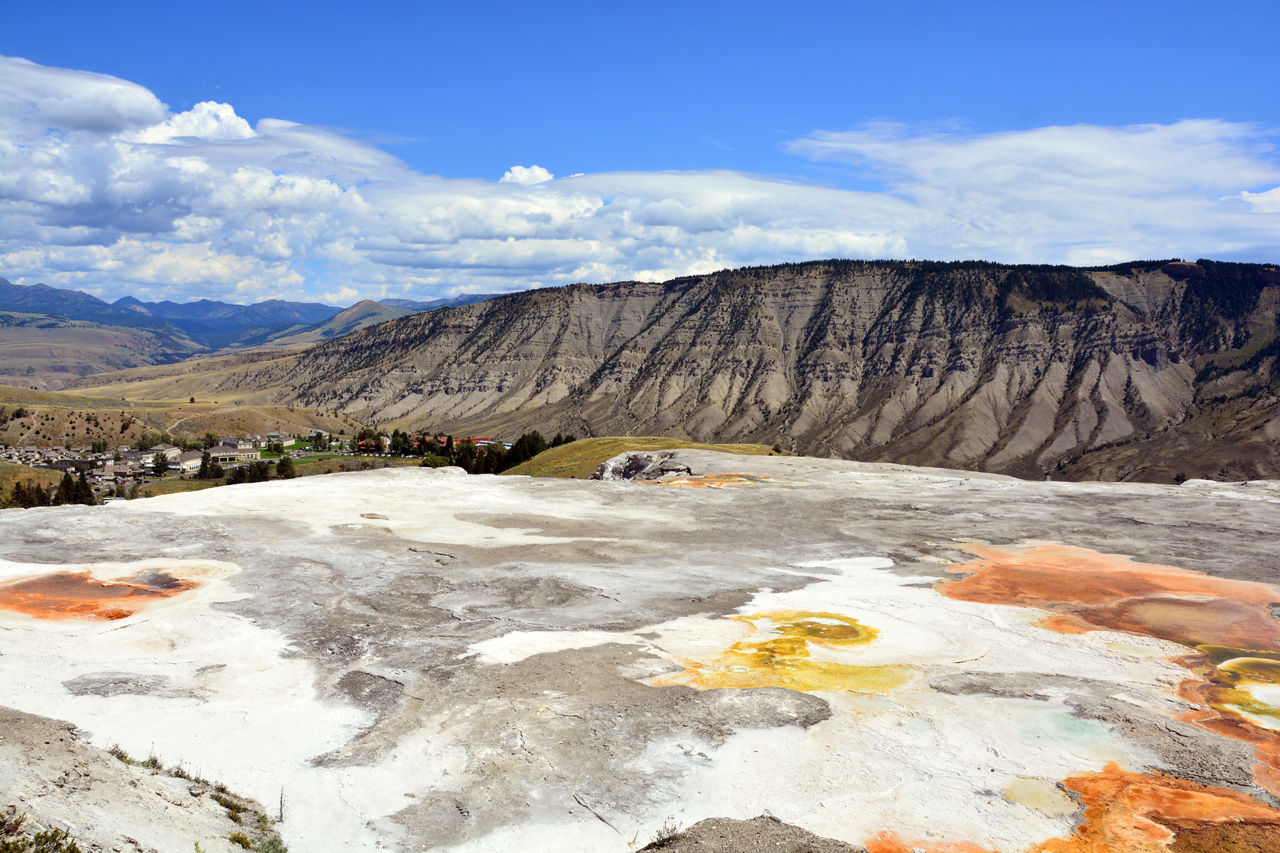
column 14, row 840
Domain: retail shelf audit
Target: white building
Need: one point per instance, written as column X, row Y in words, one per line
column 225, row 453
column 184, row 463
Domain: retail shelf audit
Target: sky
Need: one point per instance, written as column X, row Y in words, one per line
column 332, row 152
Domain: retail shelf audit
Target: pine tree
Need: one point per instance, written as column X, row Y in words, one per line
column 29, row 494
column 84, row 492
column 67, row 492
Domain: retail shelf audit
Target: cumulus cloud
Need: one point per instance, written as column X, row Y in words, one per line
column 103, row 188
column 1267, row 202
column 206, row 120
column 525, row 175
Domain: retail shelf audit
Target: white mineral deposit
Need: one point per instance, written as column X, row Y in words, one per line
column 886, row 656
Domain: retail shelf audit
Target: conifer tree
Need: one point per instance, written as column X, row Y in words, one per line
column 84, row 492
column 67, row 491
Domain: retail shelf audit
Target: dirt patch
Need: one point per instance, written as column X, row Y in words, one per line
column 722, row 835
column 1227, row 838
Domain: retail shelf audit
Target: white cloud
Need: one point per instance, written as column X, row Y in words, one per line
column 207, row 120
column 35, row 97
column 120, row 195
column 1074, row 194
column 525, row 175
column 1186, row 156
column 1267, row 202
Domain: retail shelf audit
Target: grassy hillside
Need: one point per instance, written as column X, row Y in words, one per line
column 11, row 395
column 11, row 473
column 213, row 379
column 304, row 467
column 49, row 352
column 357, row 317
column 55, row 419
column 580, row 459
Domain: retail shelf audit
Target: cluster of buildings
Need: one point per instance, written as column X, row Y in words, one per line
column 123, row 464
column 103, row 468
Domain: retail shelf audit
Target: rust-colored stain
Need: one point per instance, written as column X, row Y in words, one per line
column 779, row 653
column 1221, row 700
column 890, row 842
column 1227, row 838
column 1127, row 812
column 79, row 595
column 719, row 481
column 1090, row 591
column 1228, row 623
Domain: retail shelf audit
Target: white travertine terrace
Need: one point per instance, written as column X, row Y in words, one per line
column 467, row 668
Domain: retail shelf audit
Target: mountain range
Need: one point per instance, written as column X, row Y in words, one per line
column 1151, row 370
column 219, row 323
column 53, row 335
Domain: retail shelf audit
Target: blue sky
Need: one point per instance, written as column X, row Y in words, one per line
column 368, row 145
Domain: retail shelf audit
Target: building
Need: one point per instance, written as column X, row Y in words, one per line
column 187, row 462
column 72, row 465
column 227, row 453
column 170, row 452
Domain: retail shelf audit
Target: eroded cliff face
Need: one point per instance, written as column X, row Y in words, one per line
column 1025, row 370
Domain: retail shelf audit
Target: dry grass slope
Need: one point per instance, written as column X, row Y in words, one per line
column 219, row 378
column 581, row 458
column 11, row 474
column 26, row 396
column 55, row 419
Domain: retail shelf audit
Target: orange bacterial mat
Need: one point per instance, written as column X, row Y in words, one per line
column 79, row 595
column 1090, row 591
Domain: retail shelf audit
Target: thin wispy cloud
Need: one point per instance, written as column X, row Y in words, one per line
column 1077, row 194
column 106, row 189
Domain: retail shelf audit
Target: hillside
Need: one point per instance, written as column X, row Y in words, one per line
column 205, row 322
column 225, row 316
column 224, row 378
column 580, row 459
column 221, row 324
column 58, row 419
column 416, row 306
column 1149, row 370
column 74, row 305
column 52, row 336
column 357, row 317
column 43, row 351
